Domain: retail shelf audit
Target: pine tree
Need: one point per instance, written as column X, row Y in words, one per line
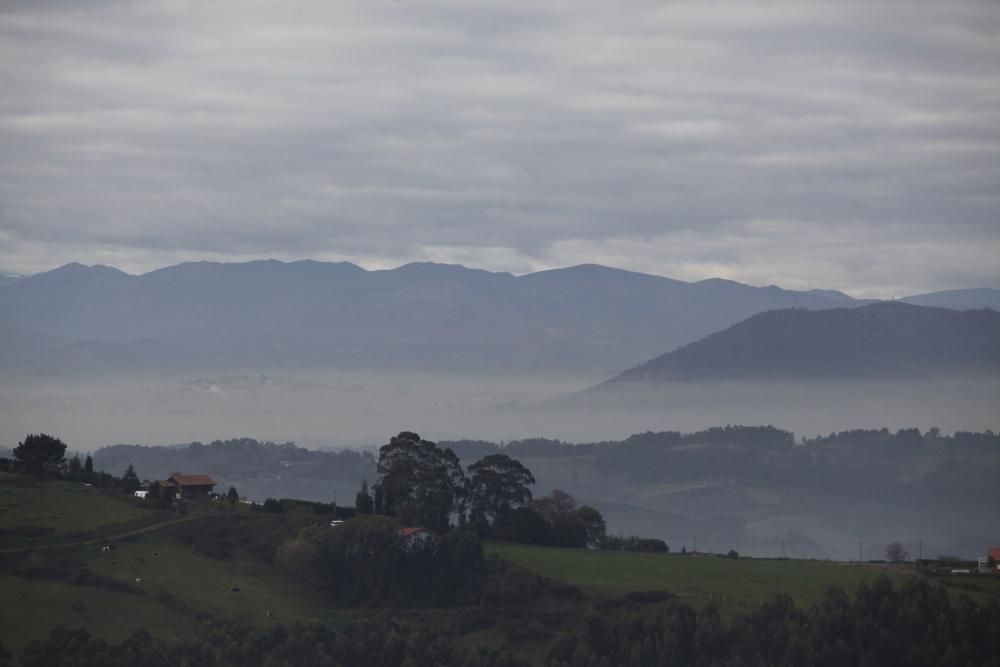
column 130, row 480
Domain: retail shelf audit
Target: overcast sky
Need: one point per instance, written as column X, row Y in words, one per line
column 838, row 145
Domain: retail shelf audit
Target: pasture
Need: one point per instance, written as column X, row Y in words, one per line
column 729, row 582
column 32, row 607
column 262, row 594
column 33, row 513
column 55, row 570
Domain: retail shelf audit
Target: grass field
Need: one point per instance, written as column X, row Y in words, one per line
column 730, row 582
column 179, row 580
column 33, row 513
column 30, row 608
column 981, row 588
column 205, row 583
column 60, row 527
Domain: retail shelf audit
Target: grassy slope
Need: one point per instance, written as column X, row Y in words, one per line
column 730, row 582
column 206, row 584
column 64, row 509
column 30, row 608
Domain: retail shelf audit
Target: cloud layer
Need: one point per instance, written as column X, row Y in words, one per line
column 841, row 145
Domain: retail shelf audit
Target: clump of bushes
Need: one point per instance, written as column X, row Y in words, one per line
column 646, row 545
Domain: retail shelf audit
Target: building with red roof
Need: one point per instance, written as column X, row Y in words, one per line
column 188, row 486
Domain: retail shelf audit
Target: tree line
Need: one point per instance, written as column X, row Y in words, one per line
column 914, row 624
column 421, row 484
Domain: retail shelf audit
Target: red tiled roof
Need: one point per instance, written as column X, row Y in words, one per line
column 406, row 532
column 192, row 480
column 994, row 553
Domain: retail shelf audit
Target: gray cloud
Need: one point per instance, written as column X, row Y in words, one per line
column 809, row 145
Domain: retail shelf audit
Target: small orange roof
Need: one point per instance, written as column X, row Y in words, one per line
column 406, row 532
column 192, row 480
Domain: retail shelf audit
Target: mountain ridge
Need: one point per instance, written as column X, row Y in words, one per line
column 308, row 314
column 880, row 340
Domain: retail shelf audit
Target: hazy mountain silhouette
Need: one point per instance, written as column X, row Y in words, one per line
column 959, row 299
column 303, row 315
column 8, row 278
column 877, row 341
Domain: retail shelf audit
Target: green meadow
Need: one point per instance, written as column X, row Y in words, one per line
column 53, row 570
column 53, row 531
column 30, row 608
column 729, row 582
column 33, row 513
column 236, row 588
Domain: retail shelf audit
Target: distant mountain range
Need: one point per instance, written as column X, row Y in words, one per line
column 881, row 340
column 959, row 299
column 270, row 315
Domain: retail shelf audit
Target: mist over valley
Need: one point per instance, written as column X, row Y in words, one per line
column 451, row 334
column 333, row 358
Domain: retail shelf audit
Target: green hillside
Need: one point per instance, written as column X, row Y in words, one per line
column 214, row 563
column 33, row 513
column 31, row 607
column 56, row 572
column 727, row 582
column 235, row 588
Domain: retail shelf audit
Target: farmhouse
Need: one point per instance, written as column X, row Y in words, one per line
column 187, row 486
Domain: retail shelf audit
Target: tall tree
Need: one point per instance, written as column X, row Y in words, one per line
column 233, row 495
column 497, row 485
column 895, row 553
column 457, row 483
column 40, row 453
column 593, row 521
column 88, row 465
column 363, row 500
column 130, row 480
column 554, row 506
column 419, row 482
column 570, row 525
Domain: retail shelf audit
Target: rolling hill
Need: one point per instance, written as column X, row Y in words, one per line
column 959, row 299
column 878, row 341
